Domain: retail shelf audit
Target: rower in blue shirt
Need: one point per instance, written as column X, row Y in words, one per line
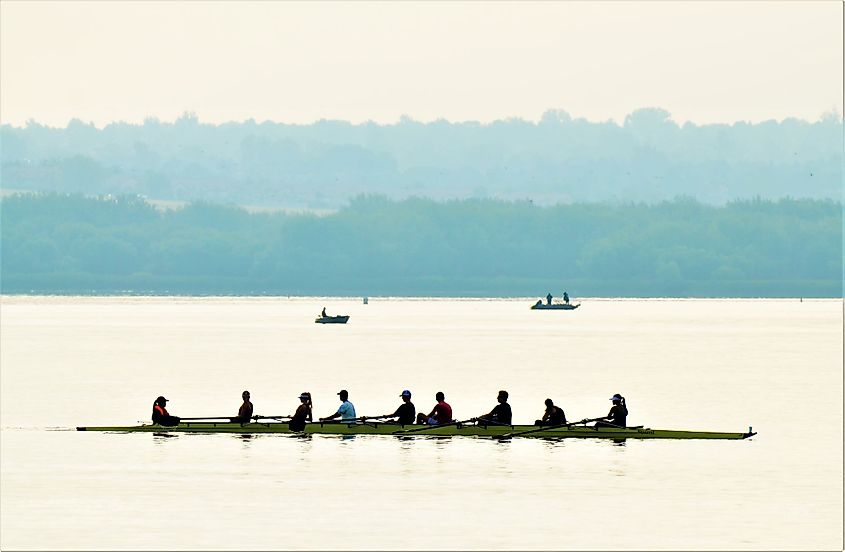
column 346, row 411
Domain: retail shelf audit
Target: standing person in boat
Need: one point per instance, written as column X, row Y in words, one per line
column 346, row 411
column 407, row 412
column 549, row 299
column 553, row 416
column 501, row 414
column 245, row 411
column 565, row 297
column 440, row 414
column 618, row 415
column 160, row 414
column 303, row 413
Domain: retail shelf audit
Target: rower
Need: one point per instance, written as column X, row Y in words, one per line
column 160, row 414
column 501, row 414
column 440, row 414
column 618, row 414
column 553, row 416
column 549, row 299
column 346, row 411
column 565, row 297
column 303, row 413
column 323, row 314
column 245, row 411
column 407, row 412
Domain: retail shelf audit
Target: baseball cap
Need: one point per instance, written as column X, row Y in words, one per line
column 616, row 397
column 405, row 393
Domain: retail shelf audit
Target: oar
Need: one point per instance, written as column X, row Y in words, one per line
column 279, row 418
column 349, row 421
column 608, row 424
column 485, row 423
column 383, row 416
column 208, row 418
column 545, row 428
column 432, row 426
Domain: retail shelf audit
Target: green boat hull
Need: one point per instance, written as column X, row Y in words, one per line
column 469, row 430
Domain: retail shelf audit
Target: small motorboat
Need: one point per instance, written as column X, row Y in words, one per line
column 342, row 319
column 555, row 306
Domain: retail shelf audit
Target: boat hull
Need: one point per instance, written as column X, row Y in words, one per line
column 332, row 320
column 470, row 430
column 556, row 306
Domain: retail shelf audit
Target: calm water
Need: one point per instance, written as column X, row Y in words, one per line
column 682, row 364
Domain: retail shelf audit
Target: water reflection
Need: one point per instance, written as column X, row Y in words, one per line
column 306, row 443
column 553, row 443
column 245, row 438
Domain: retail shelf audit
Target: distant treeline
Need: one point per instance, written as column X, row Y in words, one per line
column 559, row 159
column 376, row 246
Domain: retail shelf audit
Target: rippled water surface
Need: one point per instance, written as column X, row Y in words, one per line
column 720, row 365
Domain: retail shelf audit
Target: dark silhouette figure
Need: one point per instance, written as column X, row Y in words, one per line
column 245, row 411
column 501, row 414
column 303, row 413
column 553, row 416
column 160, row 414
column 406, row 414
column 618, row 415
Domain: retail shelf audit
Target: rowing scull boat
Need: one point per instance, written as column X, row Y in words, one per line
column 469, row 430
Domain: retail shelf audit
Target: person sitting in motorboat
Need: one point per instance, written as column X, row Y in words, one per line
column 407, row 412
column 245, row 411
column 553, row 416
column 501, row 413
column 618, row 415
column 346, row 411
column 303, row 413
column 538, row 303
column 160, row 414
column 440, row 414
column 323, row 314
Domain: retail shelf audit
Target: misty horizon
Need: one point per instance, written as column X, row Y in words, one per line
column 832, row 114
column 559, row 159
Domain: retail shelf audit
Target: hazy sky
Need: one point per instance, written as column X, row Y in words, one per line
column 298, row 62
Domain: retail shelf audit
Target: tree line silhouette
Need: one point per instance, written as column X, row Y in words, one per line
column 60, row 243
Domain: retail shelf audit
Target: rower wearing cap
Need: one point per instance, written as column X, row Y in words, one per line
column 501, row 413
column 160, row 414
column 440, row 414
column 618, row 415
column 407, row 412
column 245, row 411
column 346, row 411
column 302, row 414
column 553, row 416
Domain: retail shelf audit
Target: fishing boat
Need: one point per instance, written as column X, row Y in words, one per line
column 555, row 306
column 447, row 430
column 332, row 319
